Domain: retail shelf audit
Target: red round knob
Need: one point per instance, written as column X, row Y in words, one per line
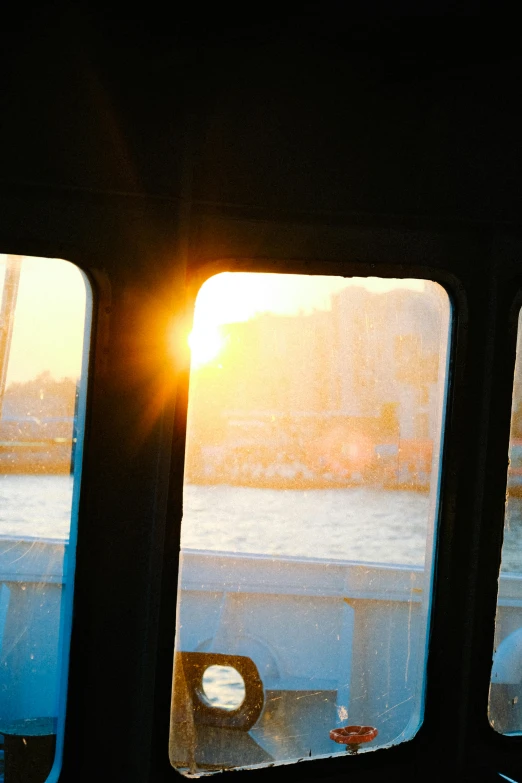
column 353, row 735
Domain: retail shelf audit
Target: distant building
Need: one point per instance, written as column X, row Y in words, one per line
column 388, row 349
column 37, row 426
column 329, row 387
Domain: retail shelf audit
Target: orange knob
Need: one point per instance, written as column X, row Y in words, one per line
column 353, row 736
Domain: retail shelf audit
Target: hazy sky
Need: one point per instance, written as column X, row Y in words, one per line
column 237, row 296
column 50, row 311
column 49, row 319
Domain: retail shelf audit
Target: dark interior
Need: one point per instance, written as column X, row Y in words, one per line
column 153, row 148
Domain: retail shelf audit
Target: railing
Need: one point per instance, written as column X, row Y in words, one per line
column 329, row 639
column 32, row 573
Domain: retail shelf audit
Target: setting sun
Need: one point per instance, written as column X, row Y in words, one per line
column 231, row 297
column 205, row 341
column 238, row 296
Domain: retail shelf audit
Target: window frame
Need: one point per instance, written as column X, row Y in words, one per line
column 399, row 758
column 209, row 270
column 492, row 744
column 125, row 690
column 66, row 613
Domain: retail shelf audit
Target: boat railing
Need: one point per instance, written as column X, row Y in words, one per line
column 350, row 636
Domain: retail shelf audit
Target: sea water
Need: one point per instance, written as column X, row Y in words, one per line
column 362, row 524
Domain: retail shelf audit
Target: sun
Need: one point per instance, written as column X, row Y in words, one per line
column 232, row 297
column 206, row 342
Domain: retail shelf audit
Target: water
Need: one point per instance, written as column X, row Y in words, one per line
column 35, row 506
column 223, row 687
column 336, row 524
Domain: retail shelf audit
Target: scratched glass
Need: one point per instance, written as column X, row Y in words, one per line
column 505, row 694
column 44, row 330
column 310, row 498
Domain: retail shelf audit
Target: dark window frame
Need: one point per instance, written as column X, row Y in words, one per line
column 204, row 273
column 399, row 759
column 126, row 687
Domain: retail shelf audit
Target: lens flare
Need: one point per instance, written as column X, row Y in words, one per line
column 205, row 344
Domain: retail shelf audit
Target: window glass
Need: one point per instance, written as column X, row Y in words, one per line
column 310, row 501
column 505, row 695
column 44, row 314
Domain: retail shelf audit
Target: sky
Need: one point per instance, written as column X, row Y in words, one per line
column 237, row 296
column 50, row 310
column 49, row 319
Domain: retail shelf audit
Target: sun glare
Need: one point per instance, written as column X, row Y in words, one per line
column 239, row 296
column 205, row 344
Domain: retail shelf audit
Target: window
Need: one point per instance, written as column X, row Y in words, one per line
column 44, row 321
column 310, row 501
column 505, row 698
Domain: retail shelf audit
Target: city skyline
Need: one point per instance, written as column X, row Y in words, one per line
column 362, row 352
column 236, row 297
column 50, row 311
column 325, row 392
